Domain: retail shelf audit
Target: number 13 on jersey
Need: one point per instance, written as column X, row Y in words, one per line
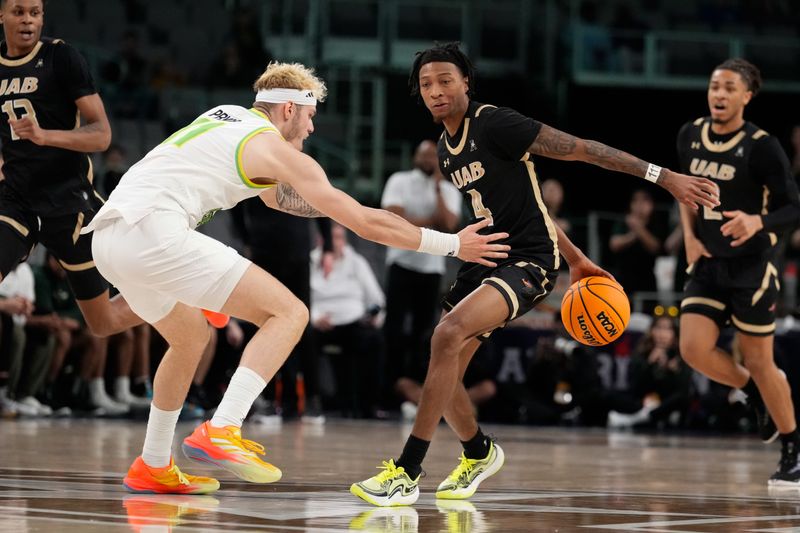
column 22, row 103
column 478, row 208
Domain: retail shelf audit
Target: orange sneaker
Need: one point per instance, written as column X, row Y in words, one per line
column 218, row 320
column 225, row 448
column 166, row 480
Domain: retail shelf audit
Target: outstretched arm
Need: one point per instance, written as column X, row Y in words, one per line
column 267, row 156
column 688, row 190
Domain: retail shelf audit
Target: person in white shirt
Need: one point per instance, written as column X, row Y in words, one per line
column 413, row 280
column 345, row 310
column 145, row 243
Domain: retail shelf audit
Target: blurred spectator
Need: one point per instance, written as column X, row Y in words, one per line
column 167, row 73
column 345, row 306
column 795, row 140
column 659, row 379
column 628, row 39
column 16, row 305
column 423, row 197
column 636, row 244
column 54, row 300
column 229, row 70
column 553, row 198
column 593, row 38
column 280, row 243
column 245, row 36
column 128, row 73
column 115, row 164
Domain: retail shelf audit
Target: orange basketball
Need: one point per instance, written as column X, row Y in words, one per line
column 595, row 310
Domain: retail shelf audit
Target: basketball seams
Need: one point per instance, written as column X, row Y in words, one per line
column 621, row 320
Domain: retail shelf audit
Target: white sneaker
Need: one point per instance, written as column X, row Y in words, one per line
column 106, row 404
column 128, row 398
column 408, row 410
column 24, row 410
column 42, row 409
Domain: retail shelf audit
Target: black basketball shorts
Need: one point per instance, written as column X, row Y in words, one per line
column 523, row 285
column 21, row 230
column 742, row 291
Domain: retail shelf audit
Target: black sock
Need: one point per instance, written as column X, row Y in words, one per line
column 752, row 391
column 793, row 436
column 477, row 447
column 413, row 453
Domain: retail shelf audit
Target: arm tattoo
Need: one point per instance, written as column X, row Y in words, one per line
column 290, row 202
column 553, row 143
column 559, row 145
column 612, row 159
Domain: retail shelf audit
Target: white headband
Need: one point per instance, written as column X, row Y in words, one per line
column 281, row 96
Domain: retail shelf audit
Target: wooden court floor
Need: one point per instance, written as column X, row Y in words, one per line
column 65, row 475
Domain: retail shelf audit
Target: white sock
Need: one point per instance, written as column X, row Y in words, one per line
column 244, row 388
column 122, row 387
column 97, row 389
column 157, row 448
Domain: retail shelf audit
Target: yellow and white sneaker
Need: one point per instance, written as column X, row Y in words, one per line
column 390, row 488
column 468, row 475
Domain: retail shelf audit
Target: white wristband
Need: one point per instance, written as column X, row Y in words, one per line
column 437, row 243
column 653, row 172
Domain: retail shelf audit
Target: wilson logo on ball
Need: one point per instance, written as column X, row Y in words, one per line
column 595, row 311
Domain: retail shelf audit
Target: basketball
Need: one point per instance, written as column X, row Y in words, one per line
column 595, row 310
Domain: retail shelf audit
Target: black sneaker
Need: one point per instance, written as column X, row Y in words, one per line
column 767, row 429
column 788, row 472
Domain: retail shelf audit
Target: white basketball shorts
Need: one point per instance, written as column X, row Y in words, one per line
column 159, row 261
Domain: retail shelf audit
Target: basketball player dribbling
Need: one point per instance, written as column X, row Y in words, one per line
column 485, row 151
column 732, row 252
column 146, row 244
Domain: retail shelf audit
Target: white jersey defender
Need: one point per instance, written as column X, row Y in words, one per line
column 197, row 170
column 161, row 200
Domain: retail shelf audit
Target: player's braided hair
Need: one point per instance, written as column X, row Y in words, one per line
column 748, row 71
column 446, row 53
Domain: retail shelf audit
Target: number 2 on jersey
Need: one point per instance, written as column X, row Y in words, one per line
column 24, row 104
column 478, row 208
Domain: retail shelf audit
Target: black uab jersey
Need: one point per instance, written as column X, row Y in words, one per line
column 753, row 176
column 43, row 85
column 487, row 160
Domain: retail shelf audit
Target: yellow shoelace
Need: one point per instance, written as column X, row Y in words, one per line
column 181, row 478
column 463, row 467
column 253, row 446
column 389, row 470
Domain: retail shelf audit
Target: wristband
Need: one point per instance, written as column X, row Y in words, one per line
column 437, row 243
column 653, row 172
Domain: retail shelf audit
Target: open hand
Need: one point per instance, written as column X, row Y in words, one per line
column 476, row 248
column 690, row 190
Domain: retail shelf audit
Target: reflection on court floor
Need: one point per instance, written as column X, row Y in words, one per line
column 66, row 476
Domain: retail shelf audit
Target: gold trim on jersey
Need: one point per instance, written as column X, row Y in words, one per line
column 698, row 121
column 551, row 229
column 22, row 60
column 238, row 157
column 760, row 133
column 773, row 238
column 769, row 271
column 90, row 172
column 699, row 300
column 16, row 225
column 78, row 226
column 724, row 147
column 481, row 108
column 457, row 149
column 509, row 291
column 752, row 328
column 77, row 268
